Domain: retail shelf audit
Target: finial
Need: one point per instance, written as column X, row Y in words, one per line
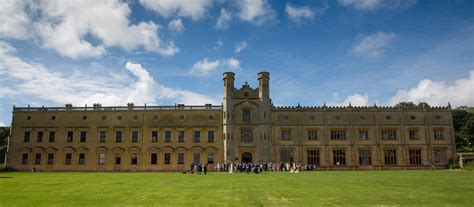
column 449, row 104
column 324, row 104
column 246, row 83
column 375, row 105
column 350, row 105
column 299, row 104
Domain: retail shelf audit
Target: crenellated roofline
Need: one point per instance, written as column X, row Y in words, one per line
column 361, row 108
column 129, row 107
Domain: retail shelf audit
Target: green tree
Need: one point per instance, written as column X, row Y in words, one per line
column 423, row 104
column 4, row 133
column 463, row 123
column 405, row 104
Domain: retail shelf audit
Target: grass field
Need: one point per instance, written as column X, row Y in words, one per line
column 429, row 188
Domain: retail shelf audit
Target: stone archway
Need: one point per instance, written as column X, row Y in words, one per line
column 247, row 157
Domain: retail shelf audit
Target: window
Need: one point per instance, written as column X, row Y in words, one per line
column 339, row 157
column 134, row 159
column 39, row 136
column 210, row 158
column 118, row 159
column 389, row 134
column 286, row 155
column 210, row 136
column 413, row 134
column 82, row 158
column 180, row 136
column 313, row 157
column 246, row 135
column 38, row 159
column 102, row 136
column 68, row 160
column 26, row 136
column 70, row 136
column 83, row 137
column 312, row 134
column 24, row 158
column 154, row 136
column 438, row 134
column 118, row 136
column 286, row 134
column 52, row 136
column 364, row 134
column 338, row 134
column 154, row 158
column 167, row 136
column 134, row 136
column 101, row 158
column 246, row 115
column 50, row 158
column 390, row 156
column 197, row 157
column 364, row 157
column 197, row 136
column 167, row 158
column 415, row 156
column 440, row 156
column 180, row 158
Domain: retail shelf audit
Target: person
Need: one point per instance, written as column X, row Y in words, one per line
column 205, row 169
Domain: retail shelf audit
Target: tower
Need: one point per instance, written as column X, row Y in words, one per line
column 264, row 144
column 227, row 116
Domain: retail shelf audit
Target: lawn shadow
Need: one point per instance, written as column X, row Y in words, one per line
column 5, row 177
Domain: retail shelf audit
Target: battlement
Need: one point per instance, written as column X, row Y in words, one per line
column 129, row 107
column 364, row 108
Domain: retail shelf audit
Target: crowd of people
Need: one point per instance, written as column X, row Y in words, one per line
column 242, row 167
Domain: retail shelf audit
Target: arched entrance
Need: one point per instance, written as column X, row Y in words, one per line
column 247, row 157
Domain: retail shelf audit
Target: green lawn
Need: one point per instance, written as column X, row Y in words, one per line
column 425, row 187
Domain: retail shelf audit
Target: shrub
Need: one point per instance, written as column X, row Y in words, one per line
column 452, row 164
column 469, row 166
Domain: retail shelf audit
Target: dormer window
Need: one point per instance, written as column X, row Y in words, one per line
column 246, row 115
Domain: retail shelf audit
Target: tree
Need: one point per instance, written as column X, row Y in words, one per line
column 423, row 104
column 463, row 123
column 405, row 104
column 4, row 133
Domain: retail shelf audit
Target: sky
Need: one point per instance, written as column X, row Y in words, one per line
column 164, row 52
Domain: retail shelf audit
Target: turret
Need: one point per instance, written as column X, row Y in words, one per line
column 263, row 85
column 228, row 83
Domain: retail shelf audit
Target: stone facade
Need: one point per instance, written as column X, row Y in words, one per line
column 246, row 128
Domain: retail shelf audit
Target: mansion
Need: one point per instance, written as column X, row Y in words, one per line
column 247, row 127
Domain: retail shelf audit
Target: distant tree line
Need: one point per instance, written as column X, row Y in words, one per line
column 4, row 133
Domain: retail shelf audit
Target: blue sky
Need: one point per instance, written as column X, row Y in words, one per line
column 167, row 52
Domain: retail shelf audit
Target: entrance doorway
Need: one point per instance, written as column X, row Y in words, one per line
column 247, row 157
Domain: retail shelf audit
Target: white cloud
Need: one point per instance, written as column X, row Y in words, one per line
column 176, row 25
column 240, row 46
column 67, row 26
column 256, row 12
column 205, row 66
column 373, row 46
column 182, row 8
column 36, row 81
column 14, row 20
column 355, row 100
column 233, row 63
column 438, row 93
column 2, row 124
column 224, row 19
column 298, row 14
column 376, row 4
